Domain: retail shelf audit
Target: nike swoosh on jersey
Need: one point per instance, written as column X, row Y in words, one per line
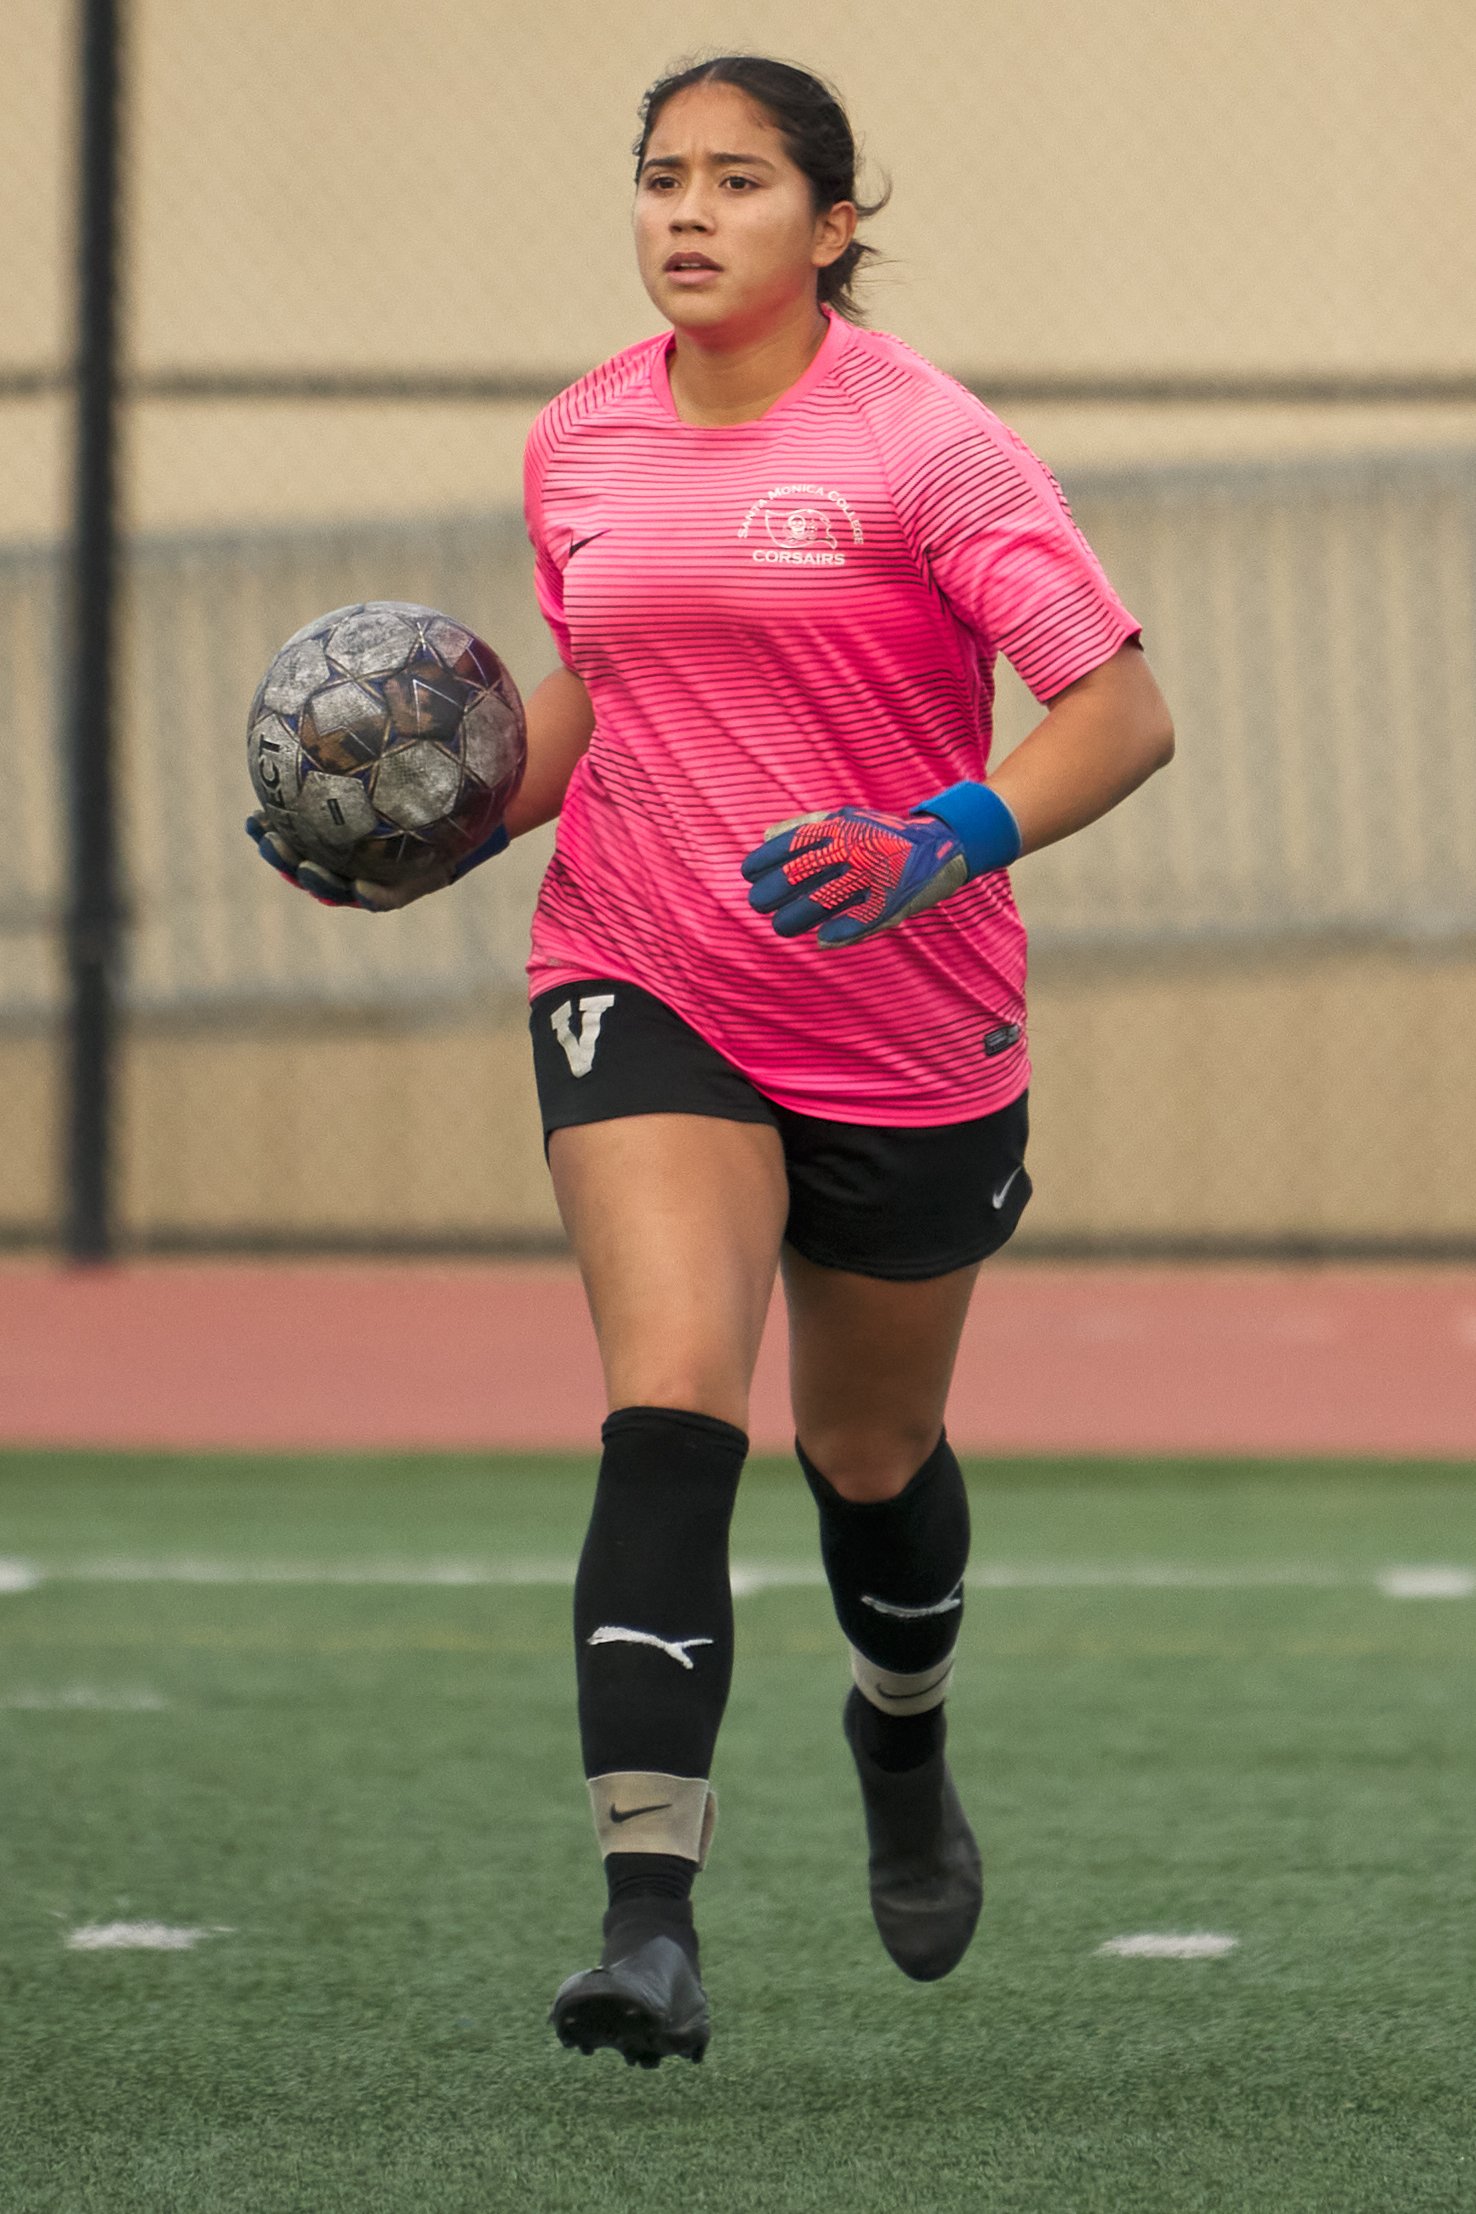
column 577, row 545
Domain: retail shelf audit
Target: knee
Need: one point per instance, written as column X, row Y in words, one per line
column 694, row 1386
column 871, row 1464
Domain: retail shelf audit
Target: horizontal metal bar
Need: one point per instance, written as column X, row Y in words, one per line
column 33, row 382
column 1224, row 389
column 1175, row 388
column 295, row 385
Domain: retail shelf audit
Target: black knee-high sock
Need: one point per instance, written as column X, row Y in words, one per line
column 895, row 1569
column 653, row 1621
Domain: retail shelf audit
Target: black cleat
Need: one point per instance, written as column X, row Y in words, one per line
column 927, row 1884
column 648, row 2005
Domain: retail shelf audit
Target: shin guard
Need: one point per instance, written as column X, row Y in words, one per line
column 896, row 1569
column 653, row 1627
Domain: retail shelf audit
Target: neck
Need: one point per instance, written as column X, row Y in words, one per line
column 717, row 378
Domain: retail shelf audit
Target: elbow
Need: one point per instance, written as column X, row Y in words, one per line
column 1146, row 746
column 1154, row 718
column 1158, row 743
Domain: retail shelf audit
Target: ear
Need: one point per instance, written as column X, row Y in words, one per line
column 834, row 230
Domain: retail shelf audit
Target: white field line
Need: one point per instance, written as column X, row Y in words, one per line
column 1167, row 1945
column 149, row 1937
column 189, row 1570
column 1150, row 1575
column 1432, row 1581
column 84, row 1699
column 1428, row 1583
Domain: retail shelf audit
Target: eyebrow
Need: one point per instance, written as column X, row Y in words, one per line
column 677, row 161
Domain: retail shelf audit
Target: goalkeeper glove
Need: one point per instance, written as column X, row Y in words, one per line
column 341, row 891
column 849, row 872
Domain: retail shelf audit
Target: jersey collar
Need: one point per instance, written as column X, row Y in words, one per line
column 831, row 347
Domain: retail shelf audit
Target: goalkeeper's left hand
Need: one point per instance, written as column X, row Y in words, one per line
column 849, row 872
column 330, row 890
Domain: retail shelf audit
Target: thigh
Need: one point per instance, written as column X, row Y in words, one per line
column 870, row 1363
column 676, row 1221
column 907, row 1204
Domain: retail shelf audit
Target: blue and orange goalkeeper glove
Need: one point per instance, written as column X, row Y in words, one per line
column 341, row 891
column 849, row 872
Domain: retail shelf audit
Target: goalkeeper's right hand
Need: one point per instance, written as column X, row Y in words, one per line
column 341, row 891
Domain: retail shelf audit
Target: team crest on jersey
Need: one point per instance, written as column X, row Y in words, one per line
column 805, row 526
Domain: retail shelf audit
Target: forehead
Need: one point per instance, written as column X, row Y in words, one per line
column 714, row 118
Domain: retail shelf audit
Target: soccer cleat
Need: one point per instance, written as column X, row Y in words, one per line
column 927, row 1883
column 648, row 2004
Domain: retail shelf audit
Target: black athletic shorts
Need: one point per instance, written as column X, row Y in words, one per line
column 874, row 1199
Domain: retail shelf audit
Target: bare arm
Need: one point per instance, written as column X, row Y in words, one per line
column 560, row 726
column 1101, row 738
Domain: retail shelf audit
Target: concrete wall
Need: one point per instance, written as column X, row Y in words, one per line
column 1173, row 1104
column 1110, row 186
column 1099, row 185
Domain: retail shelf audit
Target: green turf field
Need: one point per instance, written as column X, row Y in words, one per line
column 1187, row 1705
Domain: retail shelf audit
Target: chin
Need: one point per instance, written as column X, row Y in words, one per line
column 689, row 314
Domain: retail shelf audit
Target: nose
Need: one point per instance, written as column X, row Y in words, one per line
column 688, row 209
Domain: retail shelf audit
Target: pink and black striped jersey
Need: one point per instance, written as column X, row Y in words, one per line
column 782, row 615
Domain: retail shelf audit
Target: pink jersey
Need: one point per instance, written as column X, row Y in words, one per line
column 783, row 615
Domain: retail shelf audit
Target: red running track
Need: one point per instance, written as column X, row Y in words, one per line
column 1056, row 1359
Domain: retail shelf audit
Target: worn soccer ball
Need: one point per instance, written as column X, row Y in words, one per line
column 386, row 741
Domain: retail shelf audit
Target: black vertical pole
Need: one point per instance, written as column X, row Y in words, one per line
column 93, row 922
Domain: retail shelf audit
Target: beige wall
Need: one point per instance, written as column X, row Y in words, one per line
column 1199, row 185
column 1323, row 1100
column 1245, row 183
column 1225, row 182
column 1100, row 184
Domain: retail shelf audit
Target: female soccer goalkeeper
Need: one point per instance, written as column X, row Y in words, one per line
column 779, row 554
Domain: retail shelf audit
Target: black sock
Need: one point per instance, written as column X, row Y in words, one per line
column 895, row 1569
column 653, row 1616
column 650, row 1896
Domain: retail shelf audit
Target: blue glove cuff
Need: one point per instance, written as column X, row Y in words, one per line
column 981, row 822
column 495, row 842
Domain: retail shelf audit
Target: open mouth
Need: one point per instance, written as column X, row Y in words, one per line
column 680, row 264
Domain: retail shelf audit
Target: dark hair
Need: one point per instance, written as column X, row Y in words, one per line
column 817, row 137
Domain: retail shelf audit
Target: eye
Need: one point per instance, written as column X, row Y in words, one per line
column 745, row 182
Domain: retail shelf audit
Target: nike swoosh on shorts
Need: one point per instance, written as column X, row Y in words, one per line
column 999, row 1197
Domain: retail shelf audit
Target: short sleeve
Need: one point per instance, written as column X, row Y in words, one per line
column 548, row 578
column 993, row 530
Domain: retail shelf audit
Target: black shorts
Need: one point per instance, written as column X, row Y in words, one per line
column 873, row 1199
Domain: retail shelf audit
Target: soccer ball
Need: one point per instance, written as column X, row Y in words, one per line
column 386, row 741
